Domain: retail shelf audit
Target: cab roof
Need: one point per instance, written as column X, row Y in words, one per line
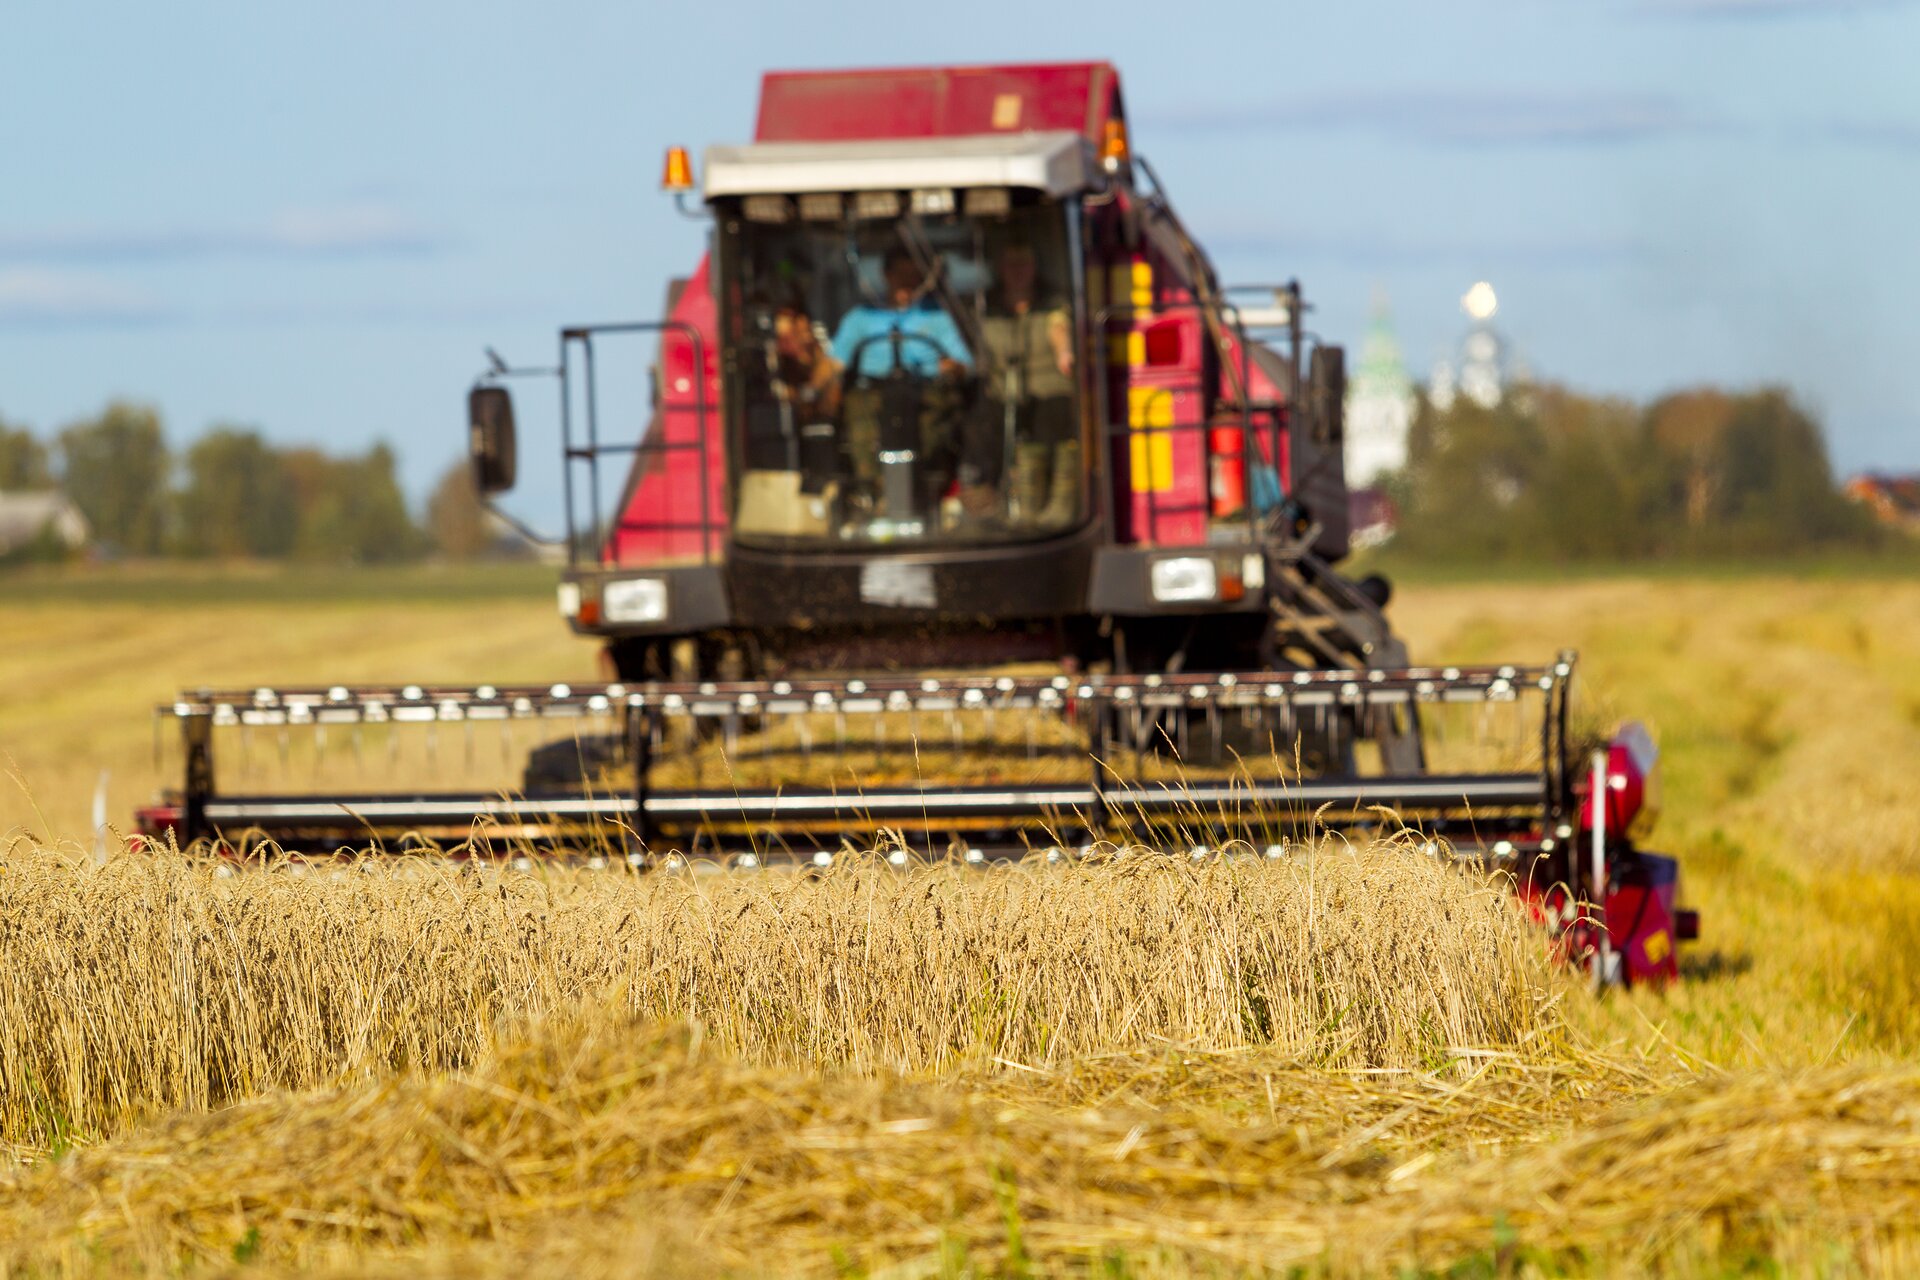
column 1058, row 163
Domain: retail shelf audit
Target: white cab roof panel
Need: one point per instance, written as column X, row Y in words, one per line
column 1059, row 163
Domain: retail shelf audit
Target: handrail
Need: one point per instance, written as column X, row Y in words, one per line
column 591, row 452
column 1103, row 321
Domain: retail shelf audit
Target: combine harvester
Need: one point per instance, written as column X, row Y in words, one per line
column 967, row 510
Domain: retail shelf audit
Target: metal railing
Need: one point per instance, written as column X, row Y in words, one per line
column 1524, row 809
column 1262, row 447
column 655, row 442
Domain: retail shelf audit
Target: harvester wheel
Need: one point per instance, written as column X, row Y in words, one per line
column 573, row 764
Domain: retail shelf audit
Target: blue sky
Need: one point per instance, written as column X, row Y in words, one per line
column 312, row 218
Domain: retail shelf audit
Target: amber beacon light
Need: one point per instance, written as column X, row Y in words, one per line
column 677, row 174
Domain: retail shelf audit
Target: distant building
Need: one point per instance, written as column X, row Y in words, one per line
column 1379, row 404
column 1894, row 500
column 1484, row 367
column 27, row 517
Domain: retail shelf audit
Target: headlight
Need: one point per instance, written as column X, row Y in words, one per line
column 569, row 599
column 634, row 600
column 1185, row 579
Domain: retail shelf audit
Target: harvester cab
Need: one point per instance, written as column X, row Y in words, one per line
column 955, row 386
column 967, row 505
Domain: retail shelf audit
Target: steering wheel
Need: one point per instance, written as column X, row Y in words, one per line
column 851, row 375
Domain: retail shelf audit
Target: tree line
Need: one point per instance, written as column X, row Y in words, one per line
column 232, row 493
column 1545, row 474
column 1550, row 474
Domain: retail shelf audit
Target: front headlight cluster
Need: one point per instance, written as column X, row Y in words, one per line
column 1184, row 579
column 634, row 600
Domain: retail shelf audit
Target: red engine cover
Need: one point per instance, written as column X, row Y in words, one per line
column 1632, row 790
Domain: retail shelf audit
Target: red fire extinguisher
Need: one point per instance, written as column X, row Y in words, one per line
column 1227, row 470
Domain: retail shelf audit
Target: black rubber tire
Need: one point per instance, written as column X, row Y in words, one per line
column 571, row 764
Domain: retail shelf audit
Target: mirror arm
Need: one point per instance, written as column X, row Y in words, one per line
column 513, row 522
column 492, row 377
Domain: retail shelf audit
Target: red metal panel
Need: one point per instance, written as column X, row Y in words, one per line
column 668, row 488
column 1641, row 918
column 1162, row 469
column 934, row 102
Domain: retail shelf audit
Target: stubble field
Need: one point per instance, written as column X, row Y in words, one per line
column 1351, row 1063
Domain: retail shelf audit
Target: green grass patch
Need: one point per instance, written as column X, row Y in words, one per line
column 178, row 584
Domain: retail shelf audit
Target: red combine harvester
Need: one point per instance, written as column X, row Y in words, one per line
column 954, row 428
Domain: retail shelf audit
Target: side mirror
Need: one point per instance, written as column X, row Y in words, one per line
column 490, row 443
column 1327, row 393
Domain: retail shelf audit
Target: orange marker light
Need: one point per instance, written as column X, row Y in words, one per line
column 1113, row 147
column 678, row 173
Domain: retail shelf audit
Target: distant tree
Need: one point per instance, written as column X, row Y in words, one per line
column 352, row 510
column 238, row 499
column 456, row 520
column 1468, row 468
column 115, row 468
column 1780, row 492
column 1557, row 475
column 1749, row 472
column 1597, row 493
column 1689, row 428
column 23, row 460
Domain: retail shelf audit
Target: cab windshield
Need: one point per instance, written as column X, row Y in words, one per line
column 897, row 376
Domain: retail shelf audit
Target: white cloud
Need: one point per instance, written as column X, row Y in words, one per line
column 348, row 228
column 1456, row 117
column 345, row 230
column 1763, row 8
column 37, row 295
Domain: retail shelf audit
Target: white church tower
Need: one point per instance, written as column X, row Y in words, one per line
column 1379, row 404
column 1486, row 367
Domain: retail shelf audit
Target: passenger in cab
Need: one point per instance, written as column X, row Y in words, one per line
column 808, row 377
column 1030, row 336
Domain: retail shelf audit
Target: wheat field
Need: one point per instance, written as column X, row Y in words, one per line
column 1350, row 1062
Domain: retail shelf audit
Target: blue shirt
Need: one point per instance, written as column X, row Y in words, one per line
column 864, row 322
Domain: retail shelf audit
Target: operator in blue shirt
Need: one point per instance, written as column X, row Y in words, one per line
column 910, row 312
column 930, row 346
